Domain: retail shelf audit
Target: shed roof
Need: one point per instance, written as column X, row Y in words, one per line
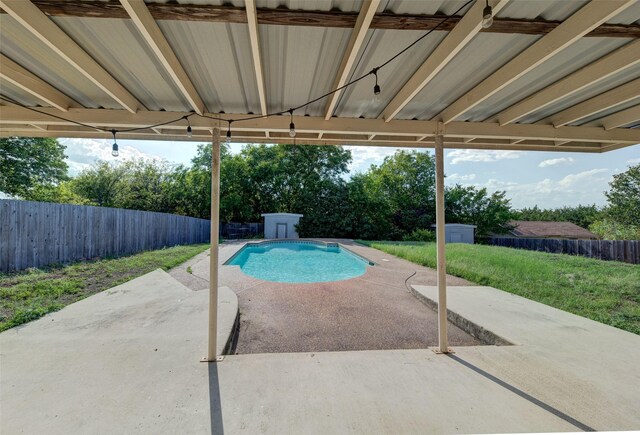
column 554, row 76
column 282, row 214
column 566, row 230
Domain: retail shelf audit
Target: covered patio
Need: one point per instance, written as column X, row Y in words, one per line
column 494, row 75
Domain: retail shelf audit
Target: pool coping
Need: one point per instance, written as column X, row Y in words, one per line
column 301, row 241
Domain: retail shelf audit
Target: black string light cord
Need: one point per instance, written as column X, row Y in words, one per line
column 291, row 110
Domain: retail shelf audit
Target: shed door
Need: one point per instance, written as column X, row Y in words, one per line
column 456, row 237
column 281, row 231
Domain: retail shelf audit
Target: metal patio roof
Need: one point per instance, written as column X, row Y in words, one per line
column 548, row 75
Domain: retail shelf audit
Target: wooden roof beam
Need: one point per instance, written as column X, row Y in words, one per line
column 307, row 124
column 601, row 102
column 252, row 21
column 604, row 67
column 154, row 37
column 367, row 11
column 451, row 45
column 34, row 20
column 577, row 25
column 287, row 17
column 34, row 85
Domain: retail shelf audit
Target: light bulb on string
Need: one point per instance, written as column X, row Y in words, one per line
column 376, row 87
column 292, row 126
column 189, row 131
column 487, row 16
column 114, row 148
column 228, row 141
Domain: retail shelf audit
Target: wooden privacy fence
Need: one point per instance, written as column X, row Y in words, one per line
column 34, row 234
column 612, row 250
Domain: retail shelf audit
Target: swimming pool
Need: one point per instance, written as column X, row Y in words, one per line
column 299, row 261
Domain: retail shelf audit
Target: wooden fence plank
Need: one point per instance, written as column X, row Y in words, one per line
column 34, row 234
column 611, row 250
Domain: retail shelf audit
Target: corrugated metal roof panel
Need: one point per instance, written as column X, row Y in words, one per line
column 574, row 57
column 300, row 63
column 628, row 16
column 117, row 45
column 615, row 80
column 432, row 7
column 217, row 58
column 8, row 89
column 552, row 10
column 312, row 5
column 611, row 111
column 486, row 53
column 237, row 3
column 359, row 100
column 25, row 49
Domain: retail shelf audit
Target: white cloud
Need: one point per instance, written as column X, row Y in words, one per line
column 461, row 177
column 554, row 162
column 365, row 156
column 585, row 187
column 461, row 156
column 82, row 153
column 633, row 162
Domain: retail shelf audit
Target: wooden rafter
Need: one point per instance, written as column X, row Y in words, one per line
column 152, row 34
column 412, row 130
column 604, row 101
column 452, row 44
column 29, row 82
column 604, row 67
column 365, row 16
column 577, row 25
column 29, row 16
column 287, row 17
column 619, row 119
column 252, row 22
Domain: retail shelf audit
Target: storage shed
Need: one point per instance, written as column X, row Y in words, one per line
column 459, row 233
column 281, row 225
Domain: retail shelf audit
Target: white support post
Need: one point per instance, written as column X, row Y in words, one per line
column 443, row 344
column 213, row 256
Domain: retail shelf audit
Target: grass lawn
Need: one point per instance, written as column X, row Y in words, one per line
column 30, row 294
column 605, row 291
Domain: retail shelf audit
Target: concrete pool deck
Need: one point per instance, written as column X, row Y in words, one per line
column 332, row 316
column 128, row 362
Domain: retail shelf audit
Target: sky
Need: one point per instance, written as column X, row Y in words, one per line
column 545, row 179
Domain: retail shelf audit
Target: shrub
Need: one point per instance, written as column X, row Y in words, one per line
column 420, row 235
column 611, row 230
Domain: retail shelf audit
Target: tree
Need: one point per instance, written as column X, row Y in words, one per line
column 101, row 184
column 27, row 163
column 581, row 215
column 624, row 197
column 469, row 205
column 405, row 185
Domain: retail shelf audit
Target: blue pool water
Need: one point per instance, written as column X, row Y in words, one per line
column 298, row 262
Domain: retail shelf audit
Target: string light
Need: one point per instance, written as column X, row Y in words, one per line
column 292, row 126
column 487, row 16
column 487, row 20
column 189, row 131
column 376, row 88
column 114, row 148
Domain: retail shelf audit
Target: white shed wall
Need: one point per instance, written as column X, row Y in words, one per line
column 281, row 225
column 459, row 233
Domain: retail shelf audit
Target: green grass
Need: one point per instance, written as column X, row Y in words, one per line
column 605, row 291
column 30, row 294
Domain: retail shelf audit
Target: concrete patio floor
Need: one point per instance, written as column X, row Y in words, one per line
column 127, row 361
